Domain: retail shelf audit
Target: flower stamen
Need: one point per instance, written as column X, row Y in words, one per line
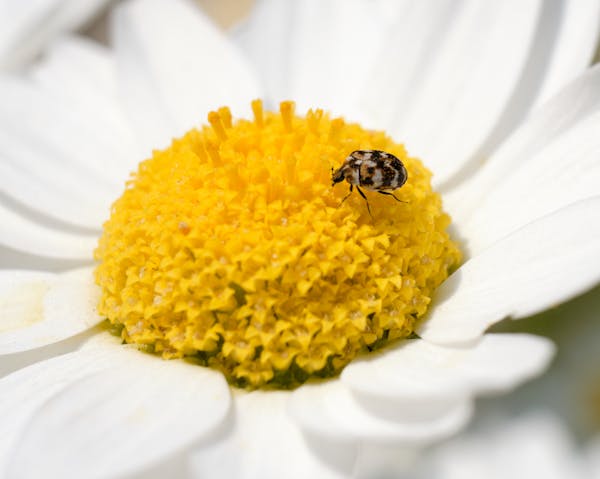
column 232, row 248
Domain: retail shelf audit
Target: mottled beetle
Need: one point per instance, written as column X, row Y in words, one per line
column 374, row 170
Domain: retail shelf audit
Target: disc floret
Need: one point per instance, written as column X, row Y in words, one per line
column 232, row 248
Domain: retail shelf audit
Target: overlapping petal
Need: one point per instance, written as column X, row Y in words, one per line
column 38, row 309
column 416, row 392
column 23, row 233
column 260, row 440
column 537, row 445
column 556, row 122
column 473, row 85
column 25, row 27
column 52, row 161
column 540, row 265
column 106, row 411
column 174, row 67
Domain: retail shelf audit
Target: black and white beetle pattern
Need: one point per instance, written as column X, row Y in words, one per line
column 373, row 170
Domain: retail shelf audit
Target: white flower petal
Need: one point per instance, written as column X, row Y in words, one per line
column 52, row 161
column 262, row 441
column 25, row 27
column 24, row 391
column 58, row 196
column 68, row 56
column 174, row 67
column 574, row 45
column 534, row 446
column 542, row 264
column 330, row 410
column 318, row 54
column 264, row 38
column 447, row 74
column 15, row 361
column 21, row 296
column 593, row 456
column 122, row 419
column 572, row 107
column 22, row 234
column 565, row 171
column 81, row 75
column 423, row 378
column 47, row 308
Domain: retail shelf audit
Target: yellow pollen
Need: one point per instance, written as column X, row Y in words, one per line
column 287, row 114
column 232, row 248
column 214, row 118
column 257, row 110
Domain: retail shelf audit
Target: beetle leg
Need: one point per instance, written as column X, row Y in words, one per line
column 392, row 195
column 346, row 197
column 363, row 195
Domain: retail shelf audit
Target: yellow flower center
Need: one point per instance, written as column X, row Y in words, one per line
column 233, row 248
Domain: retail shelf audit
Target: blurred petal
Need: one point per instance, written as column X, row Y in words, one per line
column 23, row 392
column 331, row 411
column 262, row 441
column 573, row 107
column 22, row 293
column 174, row 67
column 52, row 160
column 447, row 74
column 22, row 234
column 265, row 38
column 25, row 27
column 535, row 446
column 81, row 75
column 574, row 45
column 317, row 53
column 422, row 378
column 593, row 454
column 565, row 171
column 46, row 308
column 121, row 419
column 538, row 266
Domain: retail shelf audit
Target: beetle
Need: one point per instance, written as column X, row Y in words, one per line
column 373, row 170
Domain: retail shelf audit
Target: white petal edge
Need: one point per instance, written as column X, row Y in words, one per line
column 565, row 171
column 61, row 306
column 574, row 48
column 174, row 67
column 422, row 378
column 27, row 26
column 24, row 391
column 21, row 295
column 446, row 75
column 330, row 410
column 52, row 159
column 303, row 50
column 129, row 416
column 81, row 74
column 71, row 54
column 262, row 441
column 574, row 104
column 538, row 266
column 22, row 234
column 593, row 456
column 537, row 445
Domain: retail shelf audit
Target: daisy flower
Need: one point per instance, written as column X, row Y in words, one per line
column 293, row 280
column 26, row 27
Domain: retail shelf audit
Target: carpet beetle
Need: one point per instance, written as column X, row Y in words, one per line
column 374, row 170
